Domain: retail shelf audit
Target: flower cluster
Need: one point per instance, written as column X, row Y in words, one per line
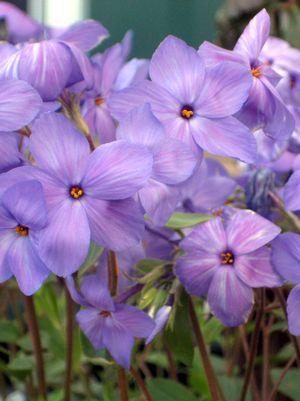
column 124, row 157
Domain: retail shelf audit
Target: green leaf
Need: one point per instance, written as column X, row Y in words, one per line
column 95, row 252
column 9, row 331
column 169, row 390
column 179, row 334
column 46, row 304
column 290, row 384
column 232, row 387
column 184, row 220
column 147, row 297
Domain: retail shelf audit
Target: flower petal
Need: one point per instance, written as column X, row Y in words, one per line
column 293, row 307
column 137, row 322
column 7, row 237
column 92, row 325
column 226, row 88
column 178, row 68
column 11, row 157
column 285, row 256
column 196, row 271
column 116, row 225
column 46, row 66
column 225, row 137
column 209, row 237
column 64, row 243
column 59, row 148
column 291, row 192
column 96, row 292
column 26, row 265
column 118, row 341
column 85, row 34
column 254, row 36
column 117, row 170
column 229, row 298
column 19, row 104
column 26, row 203
column 255, row 269
column 247, row 231
column 159, row 201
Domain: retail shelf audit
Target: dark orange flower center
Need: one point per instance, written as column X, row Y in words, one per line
column 99, row 100
column 76, row 192
column 187, row 112
column 227, row 258
column 23, row 231
column 105, row 313
column 256, row 72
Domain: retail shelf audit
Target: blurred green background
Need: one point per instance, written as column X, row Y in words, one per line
column 152, row 20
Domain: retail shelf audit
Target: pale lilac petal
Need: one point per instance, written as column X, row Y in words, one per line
column 293, row 307
column 7, row 220
column 82, row 76
column 182, row 130
column 26, row 265
column 19, row 104
column 64, row 243
column 134, row 71
column 285, row 256
column 117, row 170
column 111, row 63
column 137, row 322
column 59, row 148
column 142, row 127
column 96, row 293
column 255, row 269
column 225, row 137
column 291, row 192
column 254, row 36
column 161, row 318
column 11, row 157
column 105, row 127
column 213, row 55
column 207, row 236
column 212, row 193
column 159, row 201
column 119, row 342
column 92, row 325
column 173, row 153
column 248, row 231
column 196, row 270
column 163, row 104
column 116, row 225
column 85, row 34
column 26, row 202
column 74, row 293
column 229, row 298
column 178, row 68
column 46, row 66
column 226, row 88
column 7, row 237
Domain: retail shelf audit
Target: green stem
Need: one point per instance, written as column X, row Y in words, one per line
column 69, row 344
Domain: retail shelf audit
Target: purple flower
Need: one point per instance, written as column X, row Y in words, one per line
column 225, row 260
column 285, row 258
column 159, row 197
column 19, row 104
column 194, row 105
column 111, row 73
column 11, row 157
column 109, row 324
column 208, row 188
column 22, row 217
column 291, row 192
column 52, row 65
column 87, row 194
column 264, row 103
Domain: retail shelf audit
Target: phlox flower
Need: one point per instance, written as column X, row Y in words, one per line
column 195, row 105
column 225, row 259
column 107, row 323
column 88, row 195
